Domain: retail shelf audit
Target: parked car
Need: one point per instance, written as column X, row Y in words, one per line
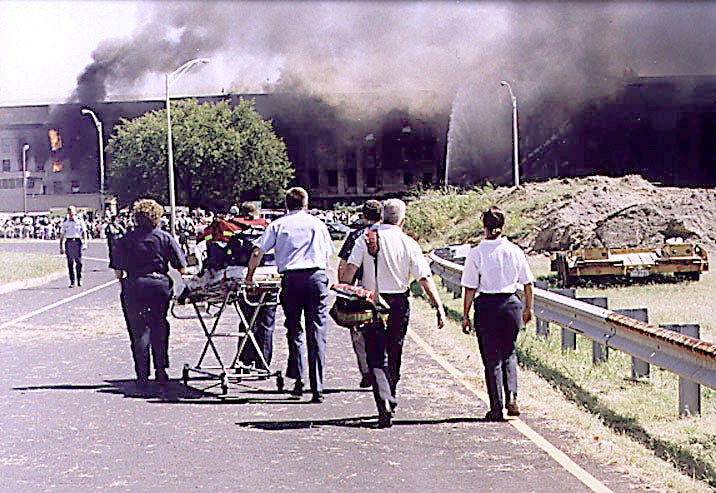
column 338, row 231
column 271, row 214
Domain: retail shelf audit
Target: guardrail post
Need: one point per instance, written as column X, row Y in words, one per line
column 451, row 284
column 569, row 338
column 639, row 368
column 542, row 325
column 689, row 392
column 600, row 352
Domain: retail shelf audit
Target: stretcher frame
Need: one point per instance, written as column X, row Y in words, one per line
column 219, row 297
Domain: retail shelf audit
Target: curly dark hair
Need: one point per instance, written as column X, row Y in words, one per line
column 147, row 213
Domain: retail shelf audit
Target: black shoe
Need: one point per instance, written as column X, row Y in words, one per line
column 142, row 384
column 385, row 414
column 79, row 282
column 318, row 398
column 161, row 376
column 385, row 419
column 72, row 284
column 512, row 408
column 365, row 382
column 494, row 416
column 297, row 390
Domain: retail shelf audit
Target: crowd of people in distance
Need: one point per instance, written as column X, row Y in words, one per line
column 28, row 227
column 188, row 225
column 46, row 227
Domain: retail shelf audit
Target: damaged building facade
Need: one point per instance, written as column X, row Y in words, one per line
column 662, row 128
column 336, row 159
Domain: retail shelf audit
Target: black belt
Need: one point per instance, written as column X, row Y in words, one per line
column 153, row 275
column 497, row 295
column 403, row 293
column 73, row 239
column 302, row 271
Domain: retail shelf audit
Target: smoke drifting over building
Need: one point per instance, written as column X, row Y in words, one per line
column 420, row 58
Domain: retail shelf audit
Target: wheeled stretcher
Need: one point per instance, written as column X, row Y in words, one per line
column 211, row 303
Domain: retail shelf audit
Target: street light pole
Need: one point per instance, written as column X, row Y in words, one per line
column 169, row 80
column 25, row 148
column 515, row 137
column 98, row 125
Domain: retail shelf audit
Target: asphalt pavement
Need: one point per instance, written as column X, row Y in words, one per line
column 72, row 418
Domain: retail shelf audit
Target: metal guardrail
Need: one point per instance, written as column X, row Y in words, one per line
column 686, row 356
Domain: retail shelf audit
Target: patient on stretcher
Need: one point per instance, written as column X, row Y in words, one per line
column 228, row 246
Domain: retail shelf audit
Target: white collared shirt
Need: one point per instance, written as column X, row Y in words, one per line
column 399, row 258
column 73, row 229
column 299, row 241
column 496, row 266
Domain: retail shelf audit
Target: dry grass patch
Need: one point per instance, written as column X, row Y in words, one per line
column 17, row 266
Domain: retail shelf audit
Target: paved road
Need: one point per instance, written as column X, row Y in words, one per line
column 71, row 418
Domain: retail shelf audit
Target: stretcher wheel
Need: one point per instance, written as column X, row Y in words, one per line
column 279, row 383
column 185, row 375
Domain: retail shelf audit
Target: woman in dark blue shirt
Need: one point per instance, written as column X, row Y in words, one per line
column 141, row 260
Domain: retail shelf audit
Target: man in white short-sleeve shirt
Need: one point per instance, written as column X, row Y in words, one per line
column 399, row 258
column 73, row 239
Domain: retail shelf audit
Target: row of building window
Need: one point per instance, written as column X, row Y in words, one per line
column 10, row 183
column 57, row 186
column 372, row 178
column 39, row 166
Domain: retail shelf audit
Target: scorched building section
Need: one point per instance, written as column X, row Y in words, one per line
column 339, row 159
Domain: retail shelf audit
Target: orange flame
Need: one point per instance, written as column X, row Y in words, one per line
column 56, row 166
column 55, row 140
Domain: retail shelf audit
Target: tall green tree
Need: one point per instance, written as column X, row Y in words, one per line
column 222, row 156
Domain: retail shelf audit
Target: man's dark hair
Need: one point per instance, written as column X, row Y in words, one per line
column 372, row 210
column 296, row 199
column 250, row 210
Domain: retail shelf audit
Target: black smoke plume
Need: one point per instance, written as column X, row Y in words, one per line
column 423, row 58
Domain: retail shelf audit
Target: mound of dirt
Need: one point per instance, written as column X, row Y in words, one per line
column 617, row 213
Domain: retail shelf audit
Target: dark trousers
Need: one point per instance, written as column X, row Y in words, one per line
column 384, row 348
column 498, row 320
column 73, row 252
column 262, row 330
column 305, row 292
column 145, row 303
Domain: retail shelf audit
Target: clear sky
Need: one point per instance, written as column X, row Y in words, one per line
column 46, row 44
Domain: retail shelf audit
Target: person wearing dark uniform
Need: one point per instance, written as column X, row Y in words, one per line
column 141, row 260
column 249, row 215
column 114, row 231
column 371, row 215
column 302, row 246
column 494, row 269
column 73, row 239
column 398, row 258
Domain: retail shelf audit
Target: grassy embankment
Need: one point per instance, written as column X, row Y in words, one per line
column 16, row 266
column 643, row 412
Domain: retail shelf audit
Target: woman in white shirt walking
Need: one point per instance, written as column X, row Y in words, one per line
column 494, row 269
